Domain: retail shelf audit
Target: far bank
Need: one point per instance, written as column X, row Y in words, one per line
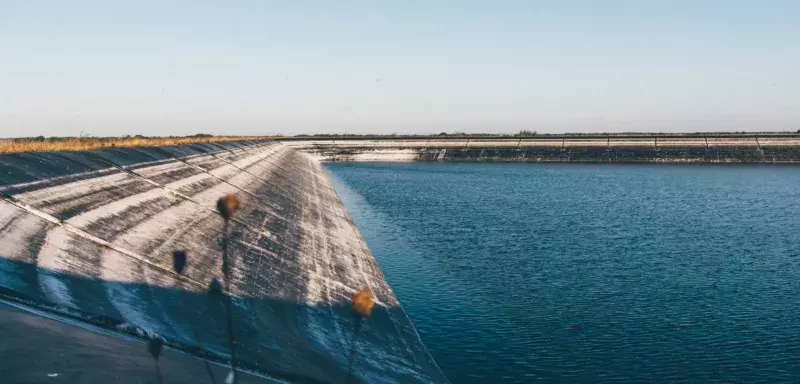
column 747, row 148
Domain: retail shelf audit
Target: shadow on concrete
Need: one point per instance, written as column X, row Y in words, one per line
column 290, row 341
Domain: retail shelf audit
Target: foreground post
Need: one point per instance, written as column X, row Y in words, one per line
column 362, row 303
column 227, row 207
column 155, row 346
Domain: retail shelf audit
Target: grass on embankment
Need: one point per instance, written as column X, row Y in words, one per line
column 42, row 144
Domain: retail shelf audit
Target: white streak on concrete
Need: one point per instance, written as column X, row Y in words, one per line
column 51, row 259
column 114, row 208
column 71, row 190
column 16, row 236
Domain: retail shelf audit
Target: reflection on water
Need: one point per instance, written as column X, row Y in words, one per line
column 590, row 273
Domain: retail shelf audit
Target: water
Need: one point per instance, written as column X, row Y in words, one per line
column 520, row 273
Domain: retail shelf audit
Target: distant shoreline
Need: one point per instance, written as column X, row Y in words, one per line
column 71, row 143
column 544, row 136
column 771, row 149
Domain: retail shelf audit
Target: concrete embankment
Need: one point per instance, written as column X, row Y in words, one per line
column 618, row 149
column 92, row 235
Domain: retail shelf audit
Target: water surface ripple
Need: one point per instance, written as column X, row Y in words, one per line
column 520, row 273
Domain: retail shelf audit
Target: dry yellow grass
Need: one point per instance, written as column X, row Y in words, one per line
column 82, row 144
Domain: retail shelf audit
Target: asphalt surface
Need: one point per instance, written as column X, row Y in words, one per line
column 39, row 349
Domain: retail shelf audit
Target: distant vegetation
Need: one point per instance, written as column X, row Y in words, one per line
column 41, row 143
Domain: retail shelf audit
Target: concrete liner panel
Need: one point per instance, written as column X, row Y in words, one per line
column 781, row 154
column 183, row 150
column 205, row 147
column 33, row 166
column 133, row 156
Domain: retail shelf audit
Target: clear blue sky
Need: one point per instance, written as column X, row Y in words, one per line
column 258, row 67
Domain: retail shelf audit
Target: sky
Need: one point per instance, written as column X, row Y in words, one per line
column 111, row 68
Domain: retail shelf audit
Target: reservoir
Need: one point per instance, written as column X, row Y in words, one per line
column 602, row 273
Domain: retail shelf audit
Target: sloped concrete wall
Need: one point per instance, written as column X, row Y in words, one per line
column 584, row 150
column 92, row 235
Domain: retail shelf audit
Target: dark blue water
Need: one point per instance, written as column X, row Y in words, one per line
column 519, row 273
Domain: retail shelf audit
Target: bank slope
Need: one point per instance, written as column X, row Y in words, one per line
column 92, row 235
